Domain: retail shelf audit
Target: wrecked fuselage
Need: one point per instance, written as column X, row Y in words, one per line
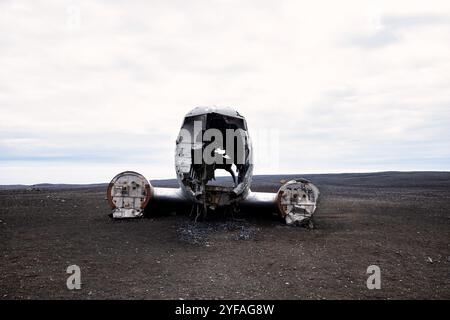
column 212, row 139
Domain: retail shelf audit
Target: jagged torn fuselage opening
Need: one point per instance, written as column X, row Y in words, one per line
column 213, row 139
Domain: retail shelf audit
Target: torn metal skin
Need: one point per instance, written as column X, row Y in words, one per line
column 297, row 201
column 128, row 194
column 195, row 177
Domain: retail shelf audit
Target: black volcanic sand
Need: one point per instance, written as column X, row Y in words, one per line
column 398, row 221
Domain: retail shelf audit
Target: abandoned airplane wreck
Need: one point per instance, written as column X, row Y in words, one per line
column 212, row 140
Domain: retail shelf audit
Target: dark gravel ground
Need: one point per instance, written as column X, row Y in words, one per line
column 398, row 221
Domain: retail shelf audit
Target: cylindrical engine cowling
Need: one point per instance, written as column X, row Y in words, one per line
column 128, row 194
column 297, row 201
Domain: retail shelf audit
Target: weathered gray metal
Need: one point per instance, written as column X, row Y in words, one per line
column 128, row 194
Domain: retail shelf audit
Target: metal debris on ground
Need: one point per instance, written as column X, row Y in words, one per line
column 198, row 232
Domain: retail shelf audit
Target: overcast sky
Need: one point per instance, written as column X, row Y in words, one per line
column 92, row 88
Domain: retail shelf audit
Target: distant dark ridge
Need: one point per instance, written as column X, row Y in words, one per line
column 373, row 179
column 393, row 179
column 50, row 186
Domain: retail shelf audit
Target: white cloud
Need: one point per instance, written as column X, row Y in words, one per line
column 349, row 85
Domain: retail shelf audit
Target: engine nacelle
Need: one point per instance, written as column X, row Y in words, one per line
column 297, row 201
column 128, row 194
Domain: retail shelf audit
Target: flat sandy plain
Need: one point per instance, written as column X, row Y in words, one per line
column 398, row 221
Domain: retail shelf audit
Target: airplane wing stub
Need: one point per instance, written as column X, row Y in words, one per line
column 129, row 194
column 295, row 201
